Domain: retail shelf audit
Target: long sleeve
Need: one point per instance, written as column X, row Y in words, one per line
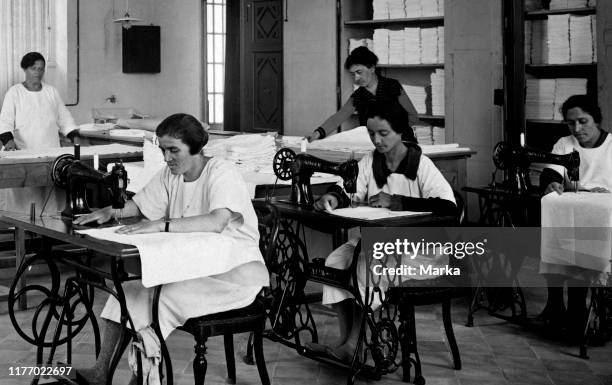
column 65, row 122
column 7, row 114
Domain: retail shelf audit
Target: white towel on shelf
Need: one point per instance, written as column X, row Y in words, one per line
column 581, row 39
column 540, row 99
column 429, row 8
column 396, row 46
column 418, row 97
column 441, row 45
column 355, row 43
column 380, row 9
column 437, row 92
column 175, row 257
column 558, row 39
column 381, row 45
column 396, row 9
column 429, row 45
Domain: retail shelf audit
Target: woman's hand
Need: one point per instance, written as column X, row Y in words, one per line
column 142, row 227
column 101, row 216
column 314, row 136
column 599, row 190
column 381, row 199
column 10, row 146
column 327, row 202
column 554, row 186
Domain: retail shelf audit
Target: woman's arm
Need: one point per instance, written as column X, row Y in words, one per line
column 107, row 213
column 413, row 115
column 335, row 120
column 215, row 221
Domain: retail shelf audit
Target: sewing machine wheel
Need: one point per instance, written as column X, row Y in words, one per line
column 281, row 164
column 502, row 155
column 57, row 170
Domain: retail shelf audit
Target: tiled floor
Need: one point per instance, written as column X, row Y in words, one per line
column 493, row 352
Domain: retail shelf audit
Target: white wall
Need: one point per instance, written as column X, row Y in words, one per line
column 309, row 64
column 176, row 89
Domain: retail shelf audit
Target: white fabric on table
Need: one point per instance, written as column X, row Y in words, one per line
column 577, row 230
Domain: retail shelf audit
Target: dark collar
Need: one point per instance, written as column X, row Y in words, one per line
column 602, row 138
column 408, row 166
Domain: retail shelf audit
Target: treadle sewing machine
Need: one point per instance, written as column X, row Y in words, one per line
column 69, row 173
column 300, row 168
column 516, row 160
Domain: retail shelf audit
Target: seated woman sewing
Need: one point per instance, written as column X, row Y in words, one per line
column 193, row 193
column 396, row 175
column 583, row 117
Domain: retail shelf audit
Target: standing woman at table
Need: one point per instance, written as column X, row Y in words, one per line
column 396, row 175
column 583, row 117
column 373, row 87
column 32, row 117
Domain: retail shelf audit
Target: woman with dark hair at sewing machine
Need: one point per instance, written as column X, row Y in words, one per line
column 594, row 145
column 361, row 64
column 33, row 116
column 193, row 193
column 396, row 175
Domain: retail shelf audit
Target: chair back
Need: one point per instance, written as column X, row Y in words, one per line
column 460, row 202
column 268, row 220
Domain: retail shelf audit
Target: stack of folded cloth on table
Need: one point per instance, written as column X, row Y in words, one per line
column 251, row 152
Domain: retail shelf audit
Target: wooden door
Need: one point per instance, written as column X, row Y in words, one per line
column 261, row 107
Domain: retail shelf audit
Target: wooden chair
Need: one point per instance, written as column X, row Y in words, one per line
column 424, row 292
column 251, row 318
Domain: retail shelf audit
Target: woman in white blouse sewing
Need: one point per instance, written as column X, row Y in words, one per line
column 396, row 176
column 193, row 193
column 583, row 117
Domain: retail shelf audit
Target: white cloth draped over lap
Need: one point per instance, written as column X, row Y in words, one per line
column 576, row 234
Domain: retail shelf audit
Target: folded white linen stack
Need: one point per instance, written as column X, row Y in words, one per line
column 581, row 39
column 429, row 45
column 418, row 96
column 564, row 89
column 439, row 135
column 540, row 99
column 396, row 46
column 594, row 36
column 413, row 8
column 423, row 135
column 354, row 43
column 396, row 9
column 539, row 41
column 381, row 45
column 558, row 39
column 577, row 3
column 576, row 230
column 440, row 44
column 437, row 92
column 558, row 4
column 429, row 8
column 174, row 257
column 412, row 45
column 251, row 152
column 380, row 9
column 527, row 27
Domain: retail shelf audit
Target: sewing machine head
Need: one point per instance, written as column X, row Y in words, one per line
column 518, row 159
column 69, row 173
column 299, row 168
